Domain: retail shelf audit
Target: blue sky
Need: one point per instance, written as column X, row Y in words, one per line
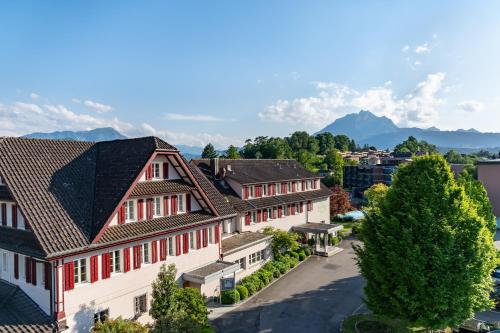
column 223, row 71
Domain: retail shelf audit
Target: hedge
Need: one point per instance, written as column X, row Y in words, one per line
column 230, row 296
column 294, row 255
column 302, row 256
column 243, row 291
column 307, row 251
column 251, row 289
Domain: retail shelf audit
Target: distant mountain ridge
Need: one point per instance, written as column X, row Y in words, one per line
column 366, row 128
column 95, row 135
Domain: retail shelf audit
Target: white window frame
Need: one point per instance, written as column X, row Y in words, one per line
column 80, row 276
column 256, row 257
column 156, row 170
column 138, row 310
column 191, row 240
column 145, row 254
column 251, row 191
column 171, row 250
column 265, row 190
column 157, row 207
column 180, row 203
column 278, row 188
column 289, row 187
column 242, row 262
column 253, row 217
column 269, row 213
column 115, row 264
column 130, row 210
column 211, row 235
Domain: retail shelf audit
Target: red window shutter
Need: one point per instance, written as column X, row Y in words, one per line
column 245, row 192
column 301, row 207
column 217, row 234
column 27, row 269
column 154, row 251
column 69, row 278
column 258, row 191
column 188, row 202
column 121, row 214
column 94, row 269
column 47, row 275
column 165, row 206
column 309, row 206
column 247, row 219
column 165, row 170
column 303, row 185
column 16, row 266
column 205, row 237
column 149, row 172
column 185, row 243
column 163, row 249
column 173, row 204
column 126, row 259
column 149, row 208
column 198, row 239
column 294, row 187
column 178, row 249
column 33, row 272
column 14, row 216
column 259, row 216
column 140, row 209
column 280, row 212
column 137, row 256
column 271, row 189
column 4, row 214
column 264, row 215
column 105, row 262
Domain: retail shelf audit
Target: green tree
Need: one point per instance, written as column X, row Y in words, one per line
column 335, row 163
column 414, row 146
column 232, row 153
column 191, row 302
column 326, row 142
column 343, row 143
column 428, row 252
column 282, row 240
column 209, row 151
column 300, row 141
column 375, row 194
column 164, row 292
column 119, row 325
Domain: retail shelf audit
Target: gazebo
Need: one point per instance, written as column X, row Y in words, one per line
column 315, row 230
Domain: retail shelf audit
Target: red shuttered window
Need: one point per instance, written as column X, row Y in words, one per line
column 258, row 191
column 3, row 207
column 165, row 206
column 69, row 278
column 259, row 216
column 121, row 215
column 301, row 207
column 309, row 206
column 198, row 239
column 280, row 212
column 283, row 188
column 105, row 266
column 264, row 215
column 173, row 204
column 245, row 192
column 140, row 209
column 205, row 237
column 137, row 257
column 14, row 216
column 154, row 251
column 247, row 219
column 149, row 208
column 126, row 259
column 163, row 249
column 47, row 276
column 188, row 202
column 149, row 172
column 294, row 187
column 165, row 170
column 185, row 243
column 178, row 249
column 94, row 269
column 217, row 234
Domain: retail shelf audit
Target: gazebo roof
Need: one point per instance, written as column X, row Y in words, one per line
column 318, row 228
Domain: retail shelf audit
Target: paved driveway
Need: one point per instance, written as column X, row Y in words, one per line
column 313, row 298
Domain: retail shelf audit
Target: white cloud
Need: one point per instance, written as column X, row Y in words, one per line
column 76, row 100
column 405, row 48
column 424, row 48
column 334, row 100
column 470, row 106
column 34, row 95
column 100, row 108
column 187, row 117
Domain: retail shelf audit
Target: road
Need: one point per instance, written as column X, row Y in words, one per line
column 315, row 297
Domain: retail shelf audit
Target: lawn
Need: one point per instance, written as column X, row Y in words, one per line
column 376, row 324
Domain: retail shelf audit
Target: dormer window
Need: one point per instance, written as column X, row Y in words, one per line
column 264, row 190
column 181, row 203
column 1, row 181
column 130, row 210
column 289, row 187
column 251, row 191
column 156, row 170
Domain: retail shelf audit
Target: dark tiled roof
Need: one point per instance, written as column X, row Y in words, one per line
column 161, row 186
column 20, row 241
column 4, row 193
column 19, row 314
column 133, row 230
column 68, row 189
column 248, row 171
column 222, row 205
column 241, row 240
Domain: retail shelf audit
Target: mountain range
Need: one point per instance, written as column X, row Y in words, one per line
column 366, row 128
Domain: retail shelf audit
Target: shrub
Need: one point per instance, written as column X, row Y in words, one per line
column 255, row 281
column 307, row 251
column 262, row 276
column 302, row 256
column 334, row 241
column 340, row 234
column 294, row 255
column 243, row 291
column 251, row 289
column 270, row 275
column 119, row 325
column 356, row 228
column 283, row 268
column 230, row 296
column 293, row 262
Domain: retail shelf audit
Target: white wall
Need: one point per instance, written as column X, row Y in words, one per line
column 265, row 245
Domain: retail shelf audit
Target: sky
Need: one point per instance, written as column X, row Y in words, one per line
column 194, row 72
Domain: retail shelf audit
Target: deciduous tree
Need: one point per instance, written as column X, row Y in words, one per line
column 340, row 202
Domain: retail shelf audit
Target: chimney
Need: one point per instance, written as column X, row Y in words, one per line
column 214, row 165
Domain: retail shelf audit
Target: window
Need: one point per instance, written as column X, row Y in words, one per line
column 157, row 206
column 101, row 316
column 256, row 257
column 181, row 202
column 226, row 227
column 285, row 210
column 275, row 212
column 289, row 184
column 253, row 217
column 170, row 246
column 4, row 262
column 210, row 235
column 114, row 262
column 251, row 191
column 269, row 213
column 140, row 305
column 156, row 170
column 129, row 210
column 277, row 188
column 242, row 262
column 264, row 189
column 145, row 253
column 191, row 239
column 80, row 273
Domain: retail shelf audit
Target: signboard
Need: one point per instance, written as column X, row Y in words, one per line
column 227, row 283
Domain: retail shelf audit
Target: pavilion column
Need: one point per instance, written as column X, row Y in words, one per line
column 326, row 241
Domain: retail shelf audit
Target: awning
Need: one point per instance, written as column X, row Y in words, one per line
column 211, row 272
column 318, row 228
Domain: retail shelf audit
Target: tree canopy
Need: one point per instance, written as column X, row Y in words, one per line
column 209, row 151
column 340, row 202
column 428, row 250
column 375, row 194
column 412, row 145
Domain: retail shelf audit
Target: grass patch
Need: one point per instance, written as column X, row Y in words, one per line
column 376, row 324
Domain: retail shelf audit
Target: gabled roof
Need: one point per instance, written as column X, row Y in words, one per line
column 249, row 171
column 67, row 190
